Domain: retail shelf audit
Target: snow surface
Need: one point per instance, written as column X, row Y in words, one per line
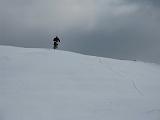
column 43, row 84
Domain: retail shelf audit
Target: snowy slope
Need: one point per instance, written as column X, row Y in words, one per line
column 43, row 84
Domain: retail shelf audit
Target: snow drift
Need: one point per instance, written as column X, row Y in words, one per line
column 43, row 84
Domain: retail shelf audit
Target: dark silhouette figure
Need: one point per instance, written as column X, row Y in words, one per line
column 56, row 40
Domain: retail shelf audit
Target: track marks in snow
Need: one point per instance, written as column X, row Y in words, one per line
column 153, row 114
column 135, row 86
column 122, row 75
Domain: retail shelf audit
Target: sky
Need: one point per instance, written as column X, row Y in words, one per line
column 119, row 29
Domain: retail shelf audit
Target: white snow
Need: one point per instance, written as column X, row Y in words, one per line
column 43, row 84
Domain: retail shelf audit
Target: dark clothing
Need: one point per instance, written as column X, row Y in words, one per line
column 55, row 45
column 56, row 40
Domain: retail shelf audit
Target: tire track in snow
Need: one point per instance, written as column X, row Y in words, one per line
column 120, row 74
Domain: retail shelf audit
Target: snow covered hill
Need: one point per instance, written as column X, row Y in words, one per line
column 43, row 84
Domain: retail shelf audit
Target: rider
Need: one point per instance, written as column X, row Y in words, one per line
column 56, row 40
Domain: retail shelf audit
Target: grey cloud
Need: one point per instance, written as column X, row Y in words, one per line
column 122, row 34
column 119, row 29
column 149, row 2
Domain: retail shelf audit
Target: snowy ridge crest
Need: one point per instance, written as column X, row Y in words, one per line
column 37, row 84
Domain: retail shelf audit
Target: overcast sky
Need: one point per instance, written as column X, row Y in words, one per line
column 121, row 29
